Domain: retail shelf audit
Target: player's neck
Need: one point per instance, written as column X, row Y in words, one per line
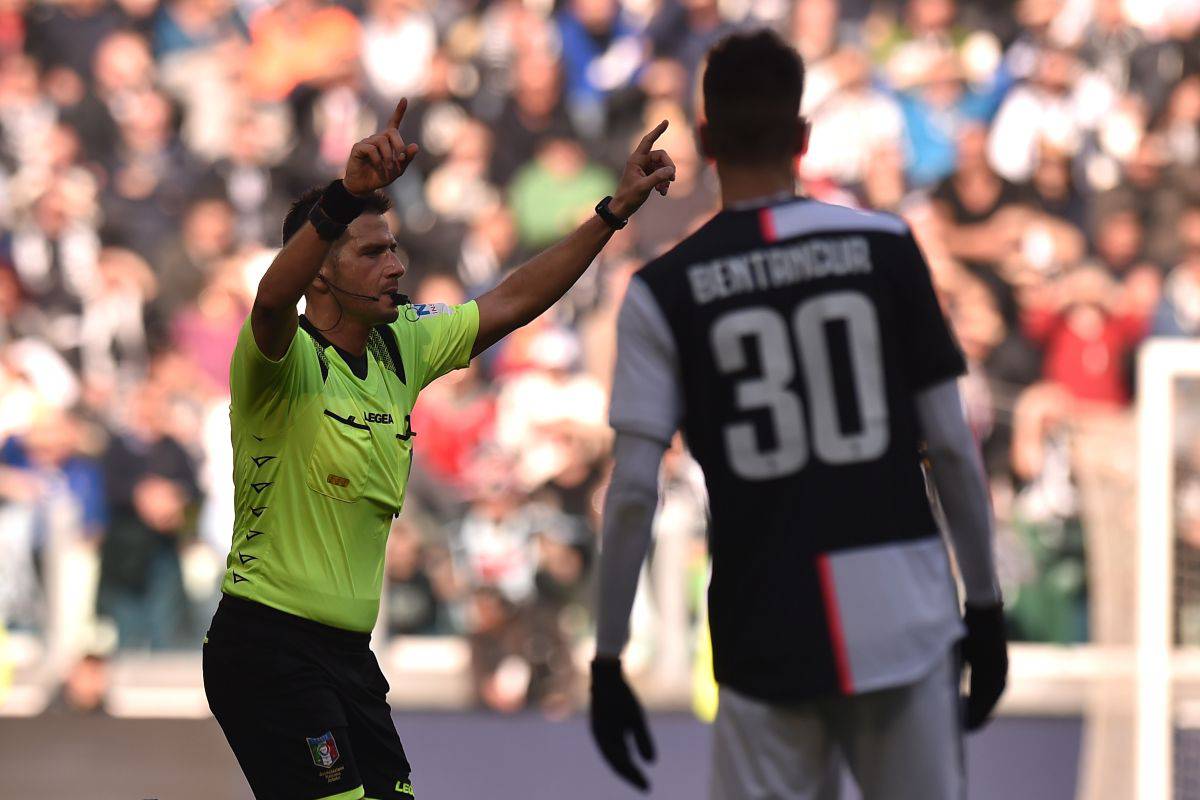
column 743, row 185
column 347, row 333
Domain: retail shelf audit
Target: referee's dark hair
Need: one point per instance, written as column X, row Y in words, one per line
column 377, row 203
column 752, row 86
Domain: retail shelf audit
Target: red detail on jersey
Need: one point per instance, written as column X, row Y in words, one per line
column 833, row 617
column 766, row 221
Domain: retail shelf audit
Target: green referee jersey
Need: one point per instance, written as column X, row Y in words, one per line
column 321, row 460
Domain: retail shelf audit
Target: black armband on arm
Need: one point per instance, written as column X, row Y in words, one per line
column 336, row 209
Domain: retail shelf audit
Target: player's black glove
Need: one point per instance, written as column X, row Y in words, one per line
column 616, row 714
column 985, row 651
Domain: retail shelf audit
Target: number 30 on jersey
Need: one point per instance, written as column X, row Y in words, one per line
column 767, row 330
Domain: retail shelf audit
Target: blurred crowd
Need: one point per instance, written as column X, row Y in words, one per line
column 1046, row 153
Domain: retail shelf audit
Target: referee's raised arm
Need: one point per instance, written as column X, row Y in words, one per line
column 536, row 285
column 373, row 164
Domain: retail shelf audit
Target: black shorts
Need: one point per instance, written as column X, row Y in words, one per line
column 303, row 705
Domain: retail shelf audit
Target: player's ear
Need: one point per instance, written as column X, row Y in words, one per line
column 703, row 140
column 803, row 131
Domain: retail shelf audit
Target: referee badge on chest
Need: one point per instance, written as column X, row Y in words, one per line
column 324, row 750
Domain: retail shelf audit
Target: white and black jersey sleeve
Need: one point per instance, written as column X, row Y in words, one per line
column 958, row 475
column 645, row 411
column 647, row 396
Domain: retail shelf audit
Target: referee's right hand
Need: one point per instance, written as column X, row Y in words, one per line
column 378, row 160
column 616, row 715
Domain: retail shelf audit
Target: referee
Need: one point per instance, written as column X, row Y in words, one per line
column 322, row 441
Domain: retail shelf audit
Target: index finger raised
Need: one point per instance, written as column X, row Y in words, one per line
column 648, row 140
column 398, row 114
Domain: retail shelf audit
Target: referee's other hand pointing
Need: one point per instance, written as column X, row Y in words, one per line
column 646, row 169
column 379, row 159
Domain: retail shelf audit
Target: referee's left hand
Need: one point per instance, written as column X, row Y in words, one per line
column 616, row 715
column 647, row 169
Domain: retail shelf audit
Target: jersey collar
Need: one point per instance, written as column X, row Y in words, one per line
column 357, row 364
column 765, row 200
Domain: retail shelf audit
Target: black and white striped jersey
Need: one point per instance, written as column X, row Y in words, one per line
column 788, row 342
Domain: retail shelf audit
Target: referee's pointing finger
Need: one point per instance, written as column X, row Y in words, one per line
column 398, row 114
column 648, row 140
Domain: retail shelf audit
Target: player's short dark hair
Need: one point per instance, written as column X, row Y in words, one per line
column 752, row 86
column 376, row 203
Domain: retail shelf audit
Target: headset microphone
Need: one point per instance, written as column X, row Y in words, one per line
column 398, row 298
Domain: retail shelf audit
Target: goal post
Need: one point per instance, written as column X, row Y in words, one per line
column 1138, row 697
column 1161, row 363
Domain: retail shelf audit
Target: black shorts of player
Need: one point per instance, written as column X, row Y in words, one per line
column 303, row 705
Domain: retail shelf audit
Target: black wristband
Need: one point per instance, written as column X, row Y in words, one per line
column 339, row 205
column 327, row 229
column 606, row 214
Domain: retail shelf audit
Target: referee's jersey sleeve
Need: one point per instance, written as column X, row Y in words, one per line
column 931, row 354
column 267, row 390
column 647, row 396
column 445, row 336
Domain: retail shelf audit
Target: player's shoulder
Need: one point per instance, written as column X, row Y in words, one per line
column 715, row 233
column 807, row 217
column 749, row 229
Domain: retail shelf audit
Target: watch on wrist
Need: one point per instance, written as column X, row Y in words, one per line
column 610, row 218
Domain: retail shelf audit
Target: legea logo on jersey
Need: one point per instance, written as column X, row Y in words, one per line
column 324, row 750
